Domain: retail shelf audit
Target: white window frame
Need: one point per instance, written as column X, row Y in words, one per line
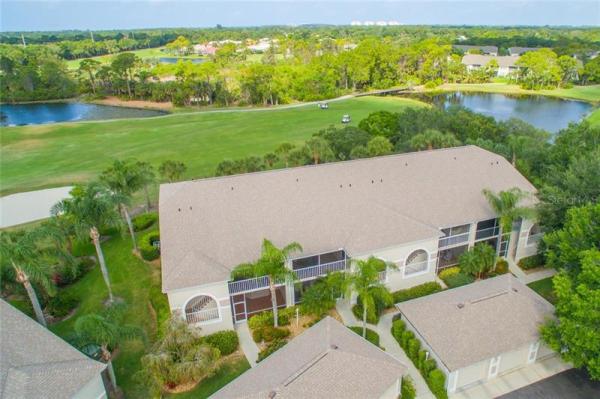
column 452, row 388
column 203, row 323
column 494, row 367
column 411, row 275
column 536, row 242
column 533, row 352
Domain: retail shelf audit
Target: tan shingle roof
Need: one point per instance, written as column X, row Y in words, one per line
column 209, row 226
column 327, row 360
column 482, row 60
column 500, row 314
column 35, row 363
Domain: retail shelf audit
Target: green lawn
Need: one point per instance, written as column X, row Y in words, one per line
column 34, row 157
column 544, row 288
column 585, row 93
column 594, row 117
column 143, row 54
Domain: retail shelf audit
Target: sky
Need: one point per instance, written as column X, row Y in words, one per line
column 32, row 15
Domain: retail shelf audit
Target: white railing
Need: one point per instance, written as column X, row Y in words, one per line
column 202, row 316
column 382, row 276
column 534, row 238
column 321, row 270
column 453, row 240
column 487, row 233
column 250, row 284
column 414, row 268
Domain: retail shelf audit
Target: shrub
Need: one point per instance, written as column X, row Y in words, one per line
column 417, row 291
column 66, row 275
column 405, row 339
column 372, row 336
column 82, row 248
column 242, row 272
column 62, row 304
column 226, row 342
column 428, row 366
column 436, row 382
column 531, row 262
column 449, row 272
column 269, row 333
column 372, row 314
column 265, row 319
column 148, row 250
column 271, row 348
column 413, row 350
column 398, row 327
column 421, row 356
column 408, row 390
column 143, row 221
column 459, row 279
column 501, row 266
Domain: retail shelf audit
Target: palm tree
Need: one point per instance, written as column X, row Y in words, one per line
column 365, row 282
column 123, row 179
column 283, row 151
column 172, row 170
column 22, row 261
column 506, row 205
column 318, row 149
column 106, row 330
column 146, row 176
column 270, row 158
column 479, row 259
column 272, row 263
column 91, row 207
column 432, row 138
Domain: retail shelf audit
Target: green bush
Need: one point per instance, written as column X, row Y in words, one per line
column 406, row 337
column 265, row 319
column 372, row 336
column 82, row 248
column 242, row 272
column 66, row 275
column 436, row 382
column 372, row 314
column 501, row 266
column 408, row 390
column 417, row 291
column 398, row 327
column 459, row 279
column 271, row 348
column 143, row 221
column 531, row 262
column 147, row 250
column 421, row 356
column 269, row 333
column 62, row 304
column 449, row 272
column 428, row 366
column 226, row 342
column 413, row 350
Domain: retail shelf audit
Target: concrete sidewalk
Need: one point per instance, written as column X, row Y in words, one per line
column 248, row 345
column 30, row 206
column 527, row 278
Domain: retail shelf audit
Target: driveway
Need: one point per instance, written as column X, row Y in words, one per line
column 570, row 384
column 30, row 206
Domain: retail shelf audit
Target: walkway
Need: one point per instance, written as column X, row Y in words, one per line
column 30, row 206
column 389, row 344
column 527, row 278
column 248, row 345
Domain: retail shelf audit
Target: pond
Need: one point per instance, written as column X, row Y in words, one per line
column 174, row 60
column 40, row 113
column 551, row 114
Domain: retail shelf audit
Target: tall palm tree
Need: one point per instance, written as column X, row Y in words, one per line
column 106, row 330
column 506, row 205
column 272, row 264
column 123, row 179
column 146, row 177
column 90, row 208
column 22, row 261
column 365, row 282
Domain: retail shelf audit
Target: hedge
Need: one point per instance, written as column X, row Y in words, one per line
column 226, row 342
column 459, row 279
column 372, row 314
column 449, row 272
column 265, row 319
column 428, row 368
column 62, row 304
column 372, row 336
column 531, row 262
column 416, row 291
column 408, row 390
column 82, row 248
column 143, row 221
column 147, row 250
column 270, row 349
column 501, row 266
column 65, row 275
column 269, row 333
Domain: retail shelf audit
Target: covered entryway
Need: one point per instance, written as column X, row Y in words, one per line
column 247, row 304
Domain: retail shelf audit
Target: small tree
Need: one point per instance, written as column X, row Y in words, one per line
column 320, row 297
column 172, row 170
column 283, row 151
column 379, row 146
column 146, row 177
column 318, row 149
column 478, row 260
column 270, row 159
column 179, row 357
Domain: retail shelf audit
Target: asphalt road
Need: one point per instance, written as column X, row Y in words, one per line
column 570, row 384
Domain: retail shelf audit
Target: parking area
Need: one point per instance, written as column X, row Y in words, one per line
column 570, row 384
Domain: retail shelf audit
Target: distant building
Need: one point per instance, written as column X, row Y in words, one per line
column 506, row 64
column 356, row 23
column 487, row 50
column 205, row 49
column 517, row 51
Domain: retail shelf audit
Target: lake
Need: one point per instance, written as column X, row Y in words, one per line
column 551, row 114
column 40, row 113
column 174, row 60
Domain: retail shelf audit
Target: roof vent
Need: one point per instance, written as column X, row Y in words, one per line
column 497, row 163
column 190, row 208
column 231, row 188
column 405, row 163
column 296, row 179
column 515, row 290
column 178, row 209
column 372, row 181
column 333, row 346
column 350, row 185
column 460, row 305
column 341, row 186
column 455, row 158
column 272, row 394
column 381, row 180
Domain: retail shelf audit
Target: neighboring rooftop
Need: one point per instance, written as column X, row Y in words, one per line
column 209, row 226
column 478, row 321
column 326, row 360
column 35, row 363
column 482, row 60
column 521, row 50
column 483, row 49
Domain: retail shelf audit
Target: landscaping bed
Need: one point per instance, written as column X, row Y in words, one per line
column 545, row 288
column 372, row 336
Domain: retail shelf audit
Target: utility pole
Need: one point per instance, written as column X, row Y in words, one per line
column 23, row 40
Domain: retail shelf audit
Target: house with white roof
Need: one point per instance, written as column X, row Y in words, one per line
column 480, row 331
column 506, row 64
column 418, row 210
column 35, row 363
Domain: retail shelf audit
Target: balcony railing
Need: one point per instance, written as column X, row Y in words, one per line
column 534, row 238
column 487, row 233
column 453, row 240
column 202, row 316
column 250, row 284
column 414, row 268
column 383, row 276
column 321, row 270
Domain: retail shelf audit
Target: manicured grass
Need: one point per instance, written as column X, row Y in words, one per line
column 594, row 117
column 227, row 373
column 544, row 288
column 34, row 157
column 372, row 336
column 143, row 54
column 584, row 93
column 138, row 284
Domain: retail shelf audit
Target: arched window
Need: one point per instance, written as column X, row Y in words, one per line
column 535, row 233
column 416, row 262
column 201, row 309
